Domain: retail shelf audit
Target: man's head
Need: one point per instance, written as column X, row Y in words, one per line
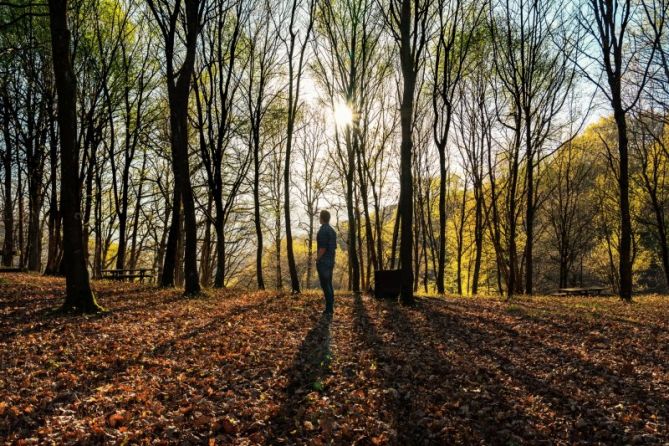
column 325, row 217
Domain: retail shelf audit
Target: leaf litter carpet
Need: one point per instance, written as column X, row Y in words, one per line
column 266, row 368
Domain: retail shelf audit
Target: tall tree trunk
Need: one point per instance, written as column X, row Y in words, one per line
column 529, row 210
column 352, row 225
column 19, row 200
column 310, row 247
column 205, row 255
column 179, row 126
column 88, row 202
column 294, row 80
column 512, row 274
column 8, row 212
column 256, row 207
column 277, row 248
column 441, row 263
column 396, row 234
column 122, row 225
column 478, row 236
column 34, row 208
column 54, row 223
column 179, row 269
column 97, row 255
column 292, row 267
column 178, row 92
column 79, row 295
column 658, row 212
column 134, row 249
column 406, row 176
column 170, row 261
column 625, row 219
column 360, row 255
column 219, row 280
column 369, row 233
column 461, row 239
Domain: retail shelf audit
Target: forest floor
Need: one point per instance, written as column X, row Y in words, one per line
column 265, row 368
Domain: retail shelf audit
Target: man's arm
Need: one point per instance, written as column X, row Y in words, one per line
column 320, row 253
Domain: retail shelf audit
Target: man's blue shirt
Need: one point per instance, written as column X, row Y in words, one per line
column 327, row 238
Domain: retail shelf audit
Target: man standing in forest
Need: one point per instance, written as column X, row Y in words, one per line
column 326, row 241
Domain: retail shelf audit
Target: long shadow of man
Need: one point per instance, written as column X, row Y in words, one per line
column 306, row 374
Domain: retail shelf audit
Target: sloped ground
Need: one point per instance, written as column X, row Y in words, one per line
column 263, row 368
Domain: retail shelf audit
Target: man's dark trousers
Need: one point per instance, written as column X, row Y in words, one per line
column 325, row 277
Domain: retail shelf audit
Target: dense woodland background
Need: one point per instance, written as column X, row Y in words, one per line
column 492, row 146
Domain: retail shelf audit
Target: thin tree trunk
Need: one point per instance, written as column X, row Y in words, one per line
column 625, row 219
column 396, row 232
column 478, row 236
column 205, row 255
column 352, row 225
column 170, row 263
column 256, row 208
column 8, row 212
column 54, row 224
column 529, row 209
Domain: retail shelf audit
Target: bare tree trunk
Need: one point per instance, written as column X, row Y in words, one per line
column 97, row 254
column 54, row 224
column 79, row 295
column 19, row 203
column 256, row 209
column 478, row 236
column 406, row 176
column 205, row 255
column 8, row 212
column 134, row 249
column 178, row 89
column 625, row 219
column 277, row 248
column 310, row 248
column 529, row 209
column 396, row 232
column 294, row 79
column 352, row 225
column 169, row 266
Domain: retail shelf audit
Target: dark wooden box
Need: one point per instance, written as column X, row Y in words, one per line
column 387, row 283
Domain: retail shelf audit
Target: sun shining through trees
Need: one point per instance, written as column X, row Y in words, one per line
column 343, row 114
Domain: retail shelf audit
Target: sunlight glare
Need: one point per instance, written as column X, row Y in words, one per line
column 343, row 115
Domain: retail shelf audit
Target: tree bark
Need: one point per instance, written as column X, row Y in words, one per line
column 54, row 223
column 406, row 149
column 170, row 261
column 8, row 212
column 178, row 91
column 79, row 295
column 625, row 219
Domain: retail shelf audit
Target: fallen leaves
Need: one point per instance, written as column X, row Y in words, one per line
column 262, row 368
column 116, row 420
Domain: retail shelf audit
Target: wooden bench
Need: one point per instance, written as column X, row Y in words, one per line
column 587, row 291
column 9, row 269
column 127, row 274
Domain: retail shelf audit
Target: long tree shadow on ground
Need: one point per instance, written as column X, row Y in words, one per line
column 400, row 405
column 105, row 373
column 520, row 383
column 452, row 375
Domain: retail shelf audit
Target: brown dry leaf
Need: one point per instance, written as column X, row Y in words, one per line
column 229, row 425
column 116, row 420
